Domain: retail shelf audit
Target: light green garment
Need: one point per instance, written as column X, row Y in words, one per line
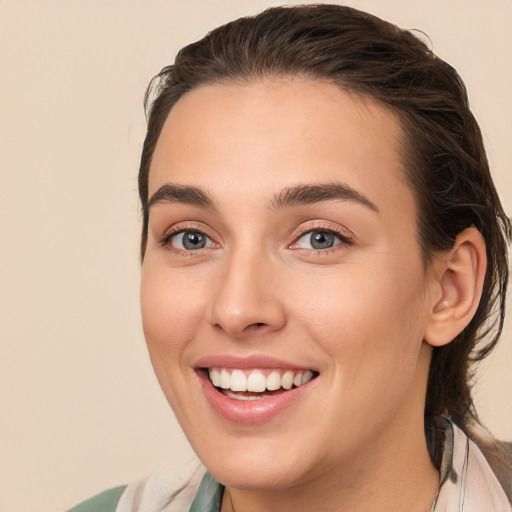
column 209, row 495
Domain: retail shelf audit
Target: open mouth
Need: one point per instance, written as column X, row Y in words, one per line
column 256, row 384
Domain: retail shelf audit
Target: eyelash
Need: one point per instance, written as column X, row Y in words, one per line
column 342, row 237
column 166, row 239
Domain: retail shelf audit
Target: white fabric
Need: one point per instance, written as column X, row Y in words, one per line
column 472, row 486
column 171, row 491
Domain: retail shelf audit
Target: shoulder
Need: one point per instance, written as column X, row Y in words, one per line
column 106, row 501
column 468, row 482
column 169, row 491
column 497, row 453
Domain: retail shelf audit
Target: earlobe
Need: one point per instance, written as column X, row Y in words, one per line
column 459, row 280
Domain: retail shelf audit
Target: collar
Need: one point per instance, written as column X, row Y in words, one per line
column 467, row 482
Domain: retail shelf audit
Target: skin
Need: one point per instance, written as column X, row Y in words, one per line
column 357, row 313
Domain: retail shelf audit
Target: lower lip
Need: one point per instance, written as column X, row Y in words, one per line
column 251, row 411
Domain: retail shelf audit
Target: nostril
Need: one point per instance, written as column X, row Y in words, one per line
column 255, row 325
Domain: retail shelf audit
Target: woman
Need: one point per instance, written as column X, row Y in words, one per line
column 324, row 260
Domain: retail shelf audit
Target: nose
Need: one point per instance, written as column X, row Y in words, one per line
column 247, row 298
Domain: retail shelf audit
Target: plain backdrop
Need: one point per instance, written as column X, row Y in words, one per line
column 80, row 409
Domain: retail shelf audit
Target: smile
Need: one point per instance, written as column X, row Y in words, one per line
column 253, row 384
column 254, row 389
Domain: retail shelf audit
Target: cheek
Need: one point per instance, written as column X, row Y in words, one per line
column 171, row 313
column 369, row 323
column 171, row 309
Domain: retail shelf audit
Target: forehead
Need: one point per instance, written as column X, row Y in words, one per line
column 271, row 134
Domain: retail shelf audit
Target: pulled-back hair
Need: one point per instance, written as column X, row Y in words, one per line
column 442, row 149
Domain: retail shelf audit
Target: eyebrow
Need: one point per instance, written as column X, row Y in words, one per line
column 315, row 193
column 185, row 194
column 288, row 197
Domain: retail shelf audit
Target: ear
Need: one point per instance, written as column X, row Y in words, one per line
column 456, row 287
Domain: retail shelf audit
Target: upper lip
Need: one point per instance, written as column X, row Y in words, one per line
column 249, row 361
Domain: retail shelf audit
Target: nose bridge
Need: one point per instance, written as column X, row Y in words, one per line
column 245, row 299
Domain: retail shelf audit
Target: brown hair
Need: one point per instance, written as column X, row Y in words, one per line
column 443, row 153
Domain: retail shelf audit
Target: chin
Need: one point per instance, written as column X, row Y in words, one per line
column 256, row 465
column 253, row 478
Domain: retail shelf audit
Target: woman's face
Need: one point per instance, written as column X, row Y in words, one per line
column 282, row 248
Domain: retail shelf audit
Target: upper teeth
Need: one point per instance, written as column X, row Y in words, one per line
column 257, row 380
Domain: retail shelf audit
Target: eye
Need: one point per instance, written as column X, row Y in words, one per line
column 319, row 239
column 189, row 240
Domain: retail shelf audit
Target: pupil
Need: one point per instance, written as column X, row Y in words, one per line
column 193, row 240
column 322, row 240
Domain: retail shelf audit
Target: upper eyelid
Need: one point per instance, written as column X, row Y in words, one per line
column 183, row 227
column 344, row 235
column 323, row 225
column 344, row 239
column 320, row 229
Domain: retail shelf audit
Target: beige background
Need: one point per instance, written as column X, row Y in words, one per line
column 79, row 407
